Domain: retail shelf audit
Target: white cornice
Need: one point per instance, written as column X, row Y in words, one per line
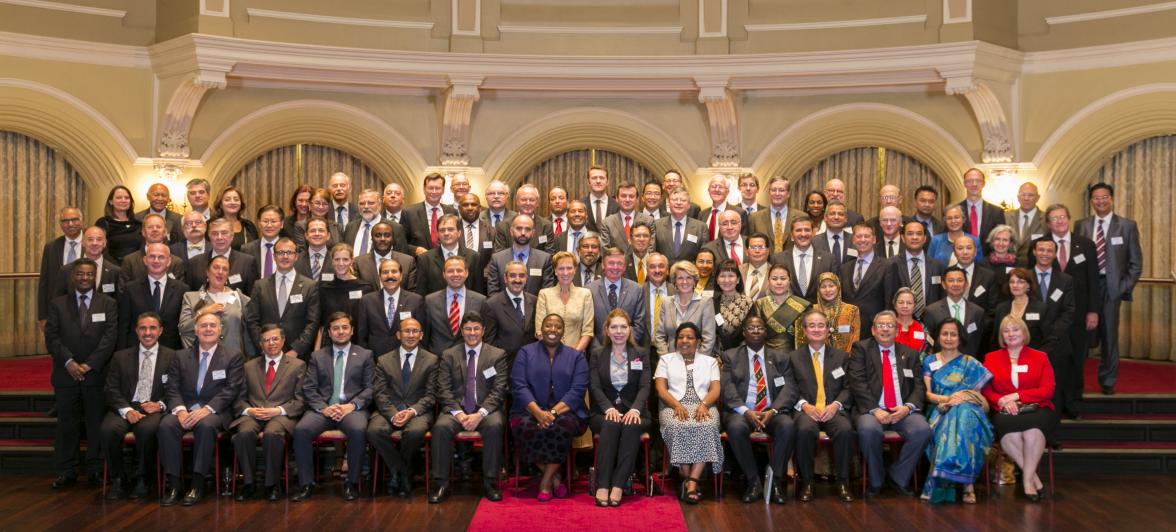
column 331, row 19
column 1104, row 56
column 834, row 24
column 68, row 8
column 1110, row 13
column 73, row 51
column 591, row 30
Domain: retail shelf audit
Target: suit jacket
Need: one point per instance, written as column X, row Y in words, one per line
column 975, row 320
column 1037, row 229
column 821, row 262
column 990, row 217
column 484, row 242
column 898, row 276
column 491, row 392
column 133, row 268
column 172, row 221
column 865, row 376
column 563, row 241
column 761, row 222
column 242, row 270
column 578, row 279
column 630, row 298
column 1082, row 266
column 937, row 226
column 388, row 389
column 180, row 249
column 610, row 207
column 540, row 272
column 430, row 268
column 108, row 282
column 90, row 339
column 504, row 328
column 254, row 248
column 372, row 329
column 352, row 211
column 416, row 222
column 722, row 249
column 663, row 235
column 367, row 269
column 52, row 257
column 704, row 217
column 122, row 377
column 1051, row 331
column 441, row 336
column 543, row 238
column 299, row 323
column 631, row 264
column 1123, row 252
column 612, row 231
column 285, row 392
column 358, row 380
column 634, row 394
column 736, row 376
column 135, row 299
column 982, row 288
column 223, row 380
column 355, row 224
column 853, row 218
column 870, row 295
column 804, row 382
column 304, row 267
column 821, row 243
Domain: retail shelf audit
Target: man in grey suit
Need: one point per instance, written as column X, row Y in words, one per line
column 1028, row 222
column 384, row 248
column 527, row 202
column 268, row 406
column 539, row 268
column 775, row 220
column 1120, row 264
column 159, row 197
column 337, row 390
column 510, row 314
column 679, row 236
column 616, row 229
column 615, row 291
column 445, row 308
column 861, row 278
column 472, row 386
column 804, row 263
column 405, row 392
column 588, row 251
column 288, row 299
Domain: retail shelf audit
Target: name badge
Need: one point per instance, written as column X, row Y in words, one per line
column 851, row 252
column 934, row 279
column 908, row 373
column 935, row 365
column 719, row 320
column 1116, row 241
column 1008, row 269
column 235, row 278
column 296, row 298
column 405, row 315
column 637, row 365
column 355, row 294
column 1079, row 258
column 487, row 244
column 708, row 293
column 971, row 327
column 1032, row 316
column 98, row 317
column 218, row 374
column 108, row 288
column 1021, row 368
column 1035, row 236
column 778, row 381
column 843, row 328
column 490, row 372
column 536, row 272
column 918, row 335
column 542, row 239
column 979, row 291
column 163, row 378
column 327, row 277
column 1056, row 295
column 232, row 300
column 692, row 238
column 171, row 275
column 838, row 373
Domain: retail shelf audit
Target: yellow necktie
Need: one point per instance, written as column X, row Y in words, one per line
column 778, row 234
column 820, row 404
column 640, row 271
column 657, row 307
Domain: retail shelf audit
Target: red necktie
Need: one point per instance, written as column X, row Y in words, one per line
column 454, row 316
column 975, row 221
column 711, row 224
column 761, row 386
column 734, row 255
column 433, row 228
column 558, row 226
column 627, row 218
column 269, row 377
column 889, row 397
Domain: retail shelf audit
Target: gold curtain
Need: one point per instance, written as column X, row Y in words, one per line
column 569, row 170
column 863, row 176
column 1143, row 177
column 35, row 184
column 273, row 177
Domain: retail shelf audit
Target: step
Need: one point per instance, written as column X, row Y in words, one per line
column 26, row 426
column 1132, row 429
column 1128, row 404
column 1094, row 459
column 26, row 401
column 20, row 456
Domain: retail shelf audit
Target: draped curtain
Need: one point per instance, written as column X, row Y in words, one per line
column 1143, row 177
column 36, row 182
column 273, row 177
column 864, row 170
column 569, row 170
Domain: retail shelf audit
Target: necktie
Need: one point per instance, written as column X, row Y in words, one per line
column 575, row 240
column 753, row 287
column 735, row 254
column 710, row 225
column 627, row 226
column 612, row 296
column 433, row 228
column 367, row 226
column 889, row 397
column 156, row 296
column 1062, row 255
column 975, row 221
column 1024, row 225
column 497, row 219
column 283, row 295
column 316, row 265
column 778, row 233
column 820, row 403
column 955, row 312
column 337, row 378
column 522, row 257
column 917, row 287
column 802, row 274
column 518, row 302
column 1044, row 284
column 146, row 376
column 599, row 213
column 926, row 227
column 1100, row 245
column 761, row 385
column 558, row 226
column 640, row 271
column 587, row 276
column 837, row 249
column 73, row 252
column 269, row 260
column 391, row 311
column 469, row 403
column 83, row 308
column 454, row 316
column 890, row 249
column 657, row 304
column 341, row 216
column 269, row 376
column 406, row 372
column 857, row 276
column 201, row 371
column 471, row 241
column 677, row 237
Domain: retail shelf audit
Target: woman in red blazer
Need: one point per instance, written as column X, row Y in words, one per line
column 1020, row 391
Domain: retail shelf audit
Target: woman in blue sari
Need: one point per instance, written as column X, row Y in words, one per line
column 961, row 433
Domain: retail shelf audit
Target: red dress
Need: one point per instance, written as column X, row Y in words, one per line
column 914, row 338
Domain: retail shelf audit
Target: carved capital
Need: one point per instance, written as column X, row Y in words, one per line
column 724, row 123
column 177, row 119
column 455, row 125
column 995, row 129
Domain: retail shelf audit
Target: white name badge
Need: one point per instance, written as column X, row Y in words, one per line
column 327, row 277
column 778, row 381
column 908, row 373
column 636, row 365
column 536, row 272
column 971, row 327
column 1021, row 368
column 708, row 293
column 218, row 374
column 1079, row 258
column 542, row 239
column 692, row 238
column 1032, row 316
column 851, row 252
column 1116, row 241
column 171, row 275
column 719, row 320
column 405, row 315
column 108, row 288
column 235, row 278
column 163, row 378
column 979, row 291
column 232, row 300
column 1035, row 236
column 918, row 335
column 490, row 372
column 843, row 328
column 935, row 365
column 1056, row 295
column 1008, row 269
column 838, row 373
column 934, row 279
column 487, row 245
column 296, row 298
column 355, row 294
column 98, row 317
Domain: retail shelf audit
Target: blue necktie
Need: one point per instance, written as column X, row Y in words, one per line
column 201, row 370
column 1044, row 285
column 406, row 371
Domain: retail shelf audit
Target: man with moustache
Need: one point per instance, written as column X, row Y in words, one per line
column 497, row 197
column 383, row 311
column 589, row 254
column 384, row 248
column 194, row 243
column 358, row 231
column 342, row 210
column 509, row 315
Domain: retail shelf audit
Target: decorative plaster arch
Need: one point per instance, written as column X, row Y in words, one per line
column 575, row 128
column 333, row 124
column 1075, row 150
column 85, row 137
column 842, row 127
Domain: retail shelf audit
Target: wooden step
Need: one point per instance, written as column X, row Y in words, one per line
column 1124, row 429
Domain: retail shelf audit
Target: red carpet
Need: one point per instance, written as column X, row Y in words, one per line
column 1135, row 376
column 25, row 374
column 519, row 512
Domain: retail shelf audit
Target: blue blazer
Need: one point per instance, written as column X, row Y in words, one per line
column 533, row 376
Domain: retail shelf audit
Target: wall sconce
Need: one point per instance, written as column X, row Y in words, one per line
column 1001, row 189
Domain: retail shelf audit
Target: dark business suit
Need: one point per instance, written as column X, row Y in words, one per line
column 694, row 237
column 505, row 329
column 305, row 267
column 564, row 240
column 540, row 271
column 586, row 275
column 257, row 249
column 483, row 245
column 736, row 377
column 299, row 322
column 990, row 217
column 107, row 281
column 371, row 325
column 722, row 249
column 350, row 208
column 133, row 268
column 630, row 298
column 982, row 288
column 172, row 221
column 180, row 249
column 818, row 262
column 391, row 395
column 52, row 258
column 869, row 296
column 441, row 336
column 1054, row 336
column 839, row 429
column 122, row 377
column 866, row 381
column 490, row 395
column 898, row 275
column 1124, row 258
column 821, row 243
column 417, row 218
column 135, row 299
column 223, row 380
column 88, row 339
column 242, row 271
column 616, row 454
column 368, row 270
column 608, row 205
column 357, row 224
column 285, row 392
column 318, row 392
column 704, row 217
column 975, row 321
column 1082, row 266
column 430, row 268
column 543, row 237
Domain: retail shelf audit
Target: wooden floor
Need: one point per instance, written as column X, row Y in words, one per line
column 1096, row 503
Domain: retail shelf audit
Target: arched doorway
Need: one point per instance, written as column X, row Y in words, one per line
column 272, row 177
column 569, row 170
column 864, row 171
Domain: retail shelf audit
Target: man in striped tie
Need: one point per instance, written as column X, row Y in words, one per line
column 446, row 307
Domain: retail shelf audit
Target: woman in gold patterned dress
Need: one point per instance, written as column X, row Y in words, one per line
column 780, row 309
column 844, row 319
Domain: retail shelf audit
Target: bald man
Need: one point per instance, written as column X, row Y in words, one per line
column 1027, row 221
column 835, row 191
column 158, row 198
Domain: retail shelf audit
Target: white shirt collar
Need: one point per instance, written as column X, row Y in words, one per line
column 143, row 350
column 1105, row 219
column 345, row 348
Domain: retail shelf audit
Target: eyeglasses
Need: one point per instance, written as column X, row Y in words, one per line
column 885, row 326
column 285, row 253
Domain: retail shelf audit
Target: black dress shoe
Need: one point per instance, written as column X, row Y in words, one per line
column 804, row 492
column 171, row 496
column 350, row 491
column 843, row 492
column 194, row 494
column 141, row 490
column 94, row 479
column 393, row 483
column 491, row 492
column 440, row 493
column 1108, row 390
column 117, row 490
column 275, row 493
column 901, row 489
column 245, row 493
column 872, row 493
column 753, row 493
column 63, row 481
column 779, row 492
column 405, row 489
column 303, row 493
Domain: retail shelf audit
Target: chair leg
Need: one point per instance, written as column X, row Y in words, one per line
column 648, row 478
column 1049, row 453
column 428, row 477
column 216, row 481
column 375, row 471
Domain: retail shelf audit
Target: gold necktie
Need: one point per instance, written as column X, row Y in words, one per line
column 820, row 404
column 640, row 271
column 778, row 234
column 657, row 302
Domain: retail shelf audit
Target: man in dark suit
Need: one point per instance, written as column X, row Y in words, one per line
column 538, row 262
column 979, row 215
column 202, row 383
column 288, row 299
column 1077, row 256
column 57, row 253
column 445, row 308
column 269, row 406
column 134, row 398
column 679, row 236
column 338, row 389
column 159, row 197
column 955, row 305
column 820, row 394
column 835, row 239
column 358, row 232
column 889, row 197
column 926, row 200
column 913, row 263
column 888, row 393
column 557, row 209
column 730, row 243
column 404, row 392
column 527, row 202
column 393, row 201
column 384, row 248
column 476, row 234
column 510, row 314
column 154, row 292
column 420, row 219
column 753, row 381
column 242, row 266
column 588, row 251
column 497, row 197
column 718, row 190
column 616, row 229
column 616, row 292
column 599, row 203
column 981, row 289
column 431, row 264
column 577, row 227
column 93, row 248
column 861, row 278
column 1057, row 293
column 888, row 233
column 641, row 245
column 342, row 210
column 834, row 190
column 269, row 224
column 315, row 257
column 671, row 181
column 774, row 220
column 80, row 335
column 748, row 190
column 804, row 263
column 383, row 310
column 653, row 201
column 472, row 387
column 154, row 232
column 194, row 242
column 1120, row 264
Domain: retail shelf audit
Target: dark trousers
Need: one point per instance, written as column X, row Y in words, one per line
column 915, row 433
column 171, row 445
column 311, row 425
column 491, row 428
column 1068, row 379
column 412, row 436
column 115, row 428
column 273, row 443
column 840, row 431
column 617, row 452
column 78, row 405
column 783, row 432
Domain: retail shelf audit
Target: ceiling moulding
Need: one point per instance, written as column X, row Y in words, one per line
column 836, row 24
column 591, row 30
column 68, row 8
column 1110, row 13
column 331, row 19
column 73, row 51
column 1102, row 56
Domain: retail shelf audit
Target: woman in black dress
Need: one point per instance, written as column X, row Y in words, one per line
column 229, row 205
column 123, row 232
column 341, row 289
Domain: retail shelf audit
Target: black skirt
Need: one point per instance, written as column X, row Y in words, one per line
column 1043, row 419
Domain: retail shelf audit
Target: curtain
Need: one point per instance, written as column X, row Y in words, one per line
column 570, row 171
column 859, row 168
column 35, row 184
column 1143, row 177
column 273, row 177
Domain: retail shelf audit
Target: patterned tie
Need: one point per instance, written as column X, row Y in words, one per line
column 156, row 296
column 802, row 274
column 917, row 287
column 612, row 296
column 469, row 403
column 201, row 371
column 146, row 376
column 367, row 227
column 628, row 226
column 820, row 403
column 341, row 216
column 337, row 378
column 735, row 254
column 857, row 277
column 433, row 228
column 955, row 312
column 1100, row 245
column 640, row 271
column 889, row 397
column 83, row 309
column 269, row 376
column 1063, row 258
column 677, row 237
column 454, row 315
column 761, row 385
column 778, row 233
column 518, row 302
column 558, row 226
column 316, row 265
column 391, row 311
column 837, row 249
column 497, row 219
column 1044, row 284
column 471, row 240
column 283, row 295
column 890, row 249
column 269, row 260
column 73, row 252
column 753, row 287
column 975, row 221
column 1024, row 225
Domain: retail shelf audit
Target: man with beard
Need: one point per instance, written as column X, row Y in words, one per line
column 384, row 248
column 383, row 311
column 539, row 269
